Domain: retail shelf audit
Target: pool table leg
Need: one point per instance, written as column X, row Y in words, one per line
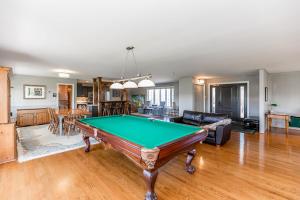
column 150, row 178
column 87, row 143
column 188, row 164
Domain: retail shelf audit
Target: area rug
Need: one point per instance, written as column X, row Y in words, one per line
column 238, row 127
column 37, row 141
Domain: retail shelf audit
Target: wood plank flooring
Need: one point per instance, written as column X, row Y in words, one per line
column 260, row 166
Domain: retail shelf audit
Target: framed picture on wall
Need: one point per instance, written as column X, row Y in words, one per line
column 116, row 93
column 266, row 94
column 34, row 92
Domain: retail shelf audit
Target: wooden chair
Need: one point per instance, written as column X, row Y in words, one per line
column 51, row 124
column 69, row 122
column 54, row 122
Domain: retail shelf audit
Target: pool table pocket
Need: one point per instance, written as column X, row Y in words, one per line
column 149, row 156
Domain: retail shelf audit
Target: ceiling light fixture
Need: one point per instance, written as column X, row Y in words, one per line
column 201, row 82
column 146, row 83
column 129, row 82
column 117, row 86
column 63, row 75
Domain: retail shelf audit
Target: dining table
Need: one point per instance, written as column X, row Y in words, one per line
column 62, row 113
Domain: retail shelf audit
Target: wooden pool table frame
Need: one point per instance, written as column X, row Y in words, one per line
column 150, row 160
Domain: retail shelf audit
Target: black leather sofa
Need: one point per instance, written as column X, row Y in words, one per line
column 217, row 135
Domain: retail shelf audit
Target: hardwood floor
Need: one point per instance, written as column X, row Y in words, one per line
column 260, row 166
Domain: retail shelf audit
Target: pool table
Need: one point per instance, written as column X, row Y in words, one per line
column 149, row 143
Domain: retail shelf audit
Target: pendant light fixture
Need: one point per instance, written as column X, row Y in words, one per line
column 129, row 83
column 146, row 83
column 117, row 86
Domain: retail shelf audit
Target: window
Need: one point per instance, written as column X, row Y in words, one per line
column 163, row 95
column 242, row 100
column 168, row 99
column 157, row 97
column 213, row 100
column 150, row 96
column 160, row 96
column 173, row 96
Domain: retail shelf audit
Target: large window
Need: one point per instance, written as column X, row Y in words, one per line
column 242, row 101
column 161, row 96
column 213, row 100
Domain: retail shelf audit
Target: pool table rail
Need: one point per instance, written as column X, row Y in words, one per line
column 150, row 160
column 134, row 151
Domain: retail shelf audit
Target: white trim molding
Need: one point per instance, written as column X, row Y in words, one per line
column 227, row 83
column 73, row 94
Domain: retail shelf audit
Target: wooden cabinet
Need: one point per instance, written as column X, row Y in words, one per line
column 31, row 117
column 42, row 117
column 5, row 94
column 7, row 142
column 8, row 150
column 25, row 119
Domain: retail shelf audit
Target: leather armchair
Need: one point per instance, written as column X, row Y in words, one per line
column 219, row 136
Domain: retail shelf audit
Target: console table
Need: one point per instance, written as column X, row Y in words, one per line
column 284, row 117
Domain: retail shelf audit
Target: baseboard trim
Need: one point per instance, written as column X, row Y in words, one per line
column 294, row 128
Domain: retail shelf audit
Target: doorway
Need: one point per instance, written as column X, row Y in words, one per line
column 65, row 96
column 230, row 99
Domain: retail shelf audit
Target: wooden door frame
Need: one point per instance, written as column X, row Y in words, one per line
column 230, row 83
column 73, row 94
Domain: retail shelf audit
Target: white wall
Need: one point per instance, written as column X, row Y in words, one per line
column 286, row 93
column 253, row 80
column 199, row 98
column 264, row 81
column 186, row 94
column 18, row 82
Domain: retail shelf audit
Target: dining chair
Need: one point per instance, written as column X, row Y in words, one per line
column 54, row 122
column 51, row 123
column 69, row 122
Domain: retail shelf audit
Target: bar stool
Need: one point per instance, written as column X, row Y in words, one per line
column 127, row 108
column 106, row 109
column 117, row 109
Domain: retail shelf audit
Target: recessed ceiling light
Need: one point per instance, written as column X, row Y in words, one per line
column 64, row 71
column 63, row 75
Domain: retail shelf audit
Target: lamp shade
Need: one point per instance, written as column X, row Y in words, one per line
column 130, row 84
column 116, row 86
column 146, row 83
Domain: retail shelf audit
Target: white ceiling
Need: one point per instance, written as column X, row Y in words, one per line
column 172, row 38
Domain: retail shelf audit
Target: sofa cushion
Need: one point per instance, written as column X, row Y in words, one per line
column 192, row 117
column 219, row 123
column 213, row 118
column 191, row 122
column 188, row 116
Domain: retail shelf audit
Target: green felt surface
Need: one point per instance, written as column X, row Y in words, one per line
column 145, row 132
